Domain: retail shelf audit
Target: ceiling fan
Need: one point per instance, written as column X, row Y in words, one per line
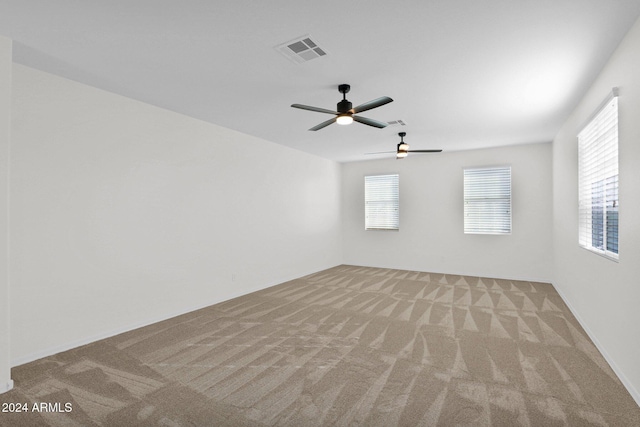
column 403, row 149
column 345, row 114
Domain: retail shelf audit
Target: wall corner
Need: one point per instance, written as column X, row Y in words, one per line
column 6, row 383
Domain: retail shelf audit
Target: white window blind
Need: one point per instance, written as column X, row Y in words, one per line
column 381, row 202
column 487, row 200
column 598, row 181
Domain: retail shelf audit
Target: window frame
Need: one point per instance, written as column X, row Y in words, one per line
column 486, row 224
column 390, row 219
column 598, row 180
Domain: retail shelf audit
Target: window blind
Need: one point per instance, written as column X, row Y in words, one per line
column 381, row 202
column 487, row 200
column 598, row 181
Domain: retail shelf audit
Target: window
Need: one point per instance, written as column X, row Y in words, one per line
column 381, row 202
column 598, row 181
column 487, row 200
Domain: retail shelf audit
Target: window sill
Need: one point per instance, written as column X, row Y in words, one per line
column 608, row 255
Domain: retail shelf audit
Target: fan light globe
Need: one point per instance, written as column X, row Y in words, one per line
column 401, row 154
column 344, row 119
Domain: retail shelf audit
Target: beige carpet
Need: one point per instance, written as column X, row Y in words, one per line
column 349, row 346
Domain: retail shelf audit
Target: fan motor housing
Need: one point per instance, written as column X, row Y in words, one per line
column 344, row 106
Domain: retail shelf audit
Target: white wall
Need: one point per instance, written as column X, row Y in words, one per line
column 124, row 214
column 5, row 125
column 431, row 236
column 604, row 295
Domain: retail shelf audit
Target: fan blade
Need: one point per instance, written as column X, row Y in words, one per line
column 425, row 151
column 381, row 152
column 316, row 109
column 372, row 104
column 324, row 124
column 370, row 122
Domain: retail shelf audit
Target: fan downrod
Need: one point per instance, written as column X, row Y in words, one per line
column 344, row 106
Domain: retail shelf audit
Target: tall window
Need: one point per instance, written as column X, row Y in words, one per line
column 381, row 202
column 487, row 200
column 598, row 181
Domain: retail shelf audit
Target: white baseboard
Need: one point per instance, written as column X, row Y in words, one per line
column 621, row 376
column 459, row 273
column 107, row 334
column 5, row 387
column 67, row 346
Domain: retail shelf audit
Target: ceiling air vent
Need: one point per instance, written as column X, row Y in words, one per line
column 301, row 50
column 397, row 123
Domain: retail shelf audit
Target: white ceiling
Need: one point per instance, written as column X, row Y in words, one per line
column 463, row 74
